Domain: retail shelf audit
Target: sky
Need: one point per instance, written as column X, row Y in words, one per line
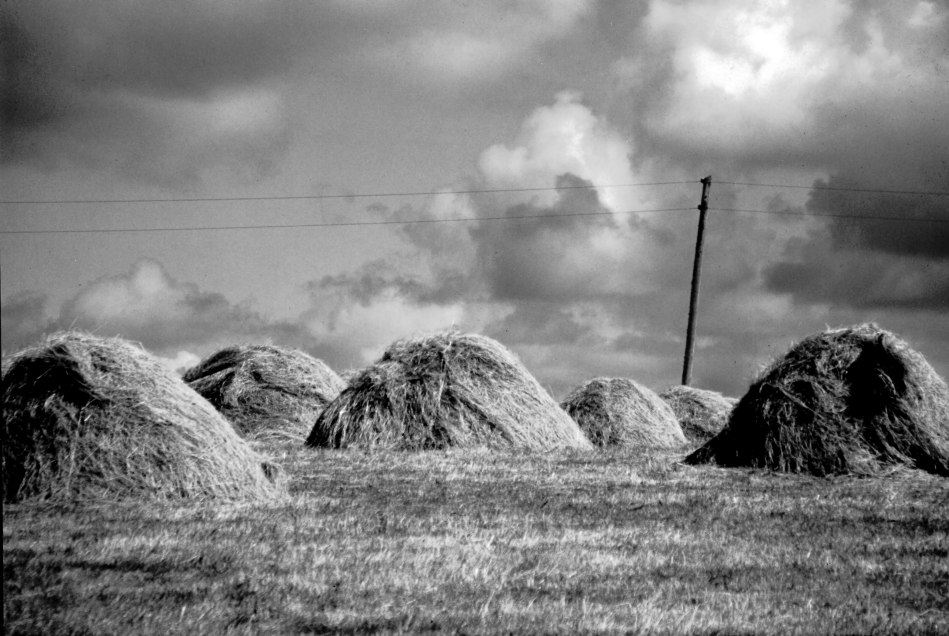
column 528, row 170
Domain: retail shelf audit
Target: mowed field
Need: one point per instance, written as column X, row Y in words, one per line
column 494, row 542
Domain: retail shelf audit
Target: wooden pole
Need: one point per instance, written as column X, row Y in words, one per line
column 696, row 275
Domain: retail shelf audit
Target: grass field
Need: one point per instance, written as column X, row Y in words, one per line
column 488, row 542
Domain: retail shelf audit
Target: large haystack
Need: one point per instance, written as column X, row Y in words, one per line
column 266, row 391
column 99, row 418
column 622, row 412
column 844, row 401
column 701, row 413
column 445, row 390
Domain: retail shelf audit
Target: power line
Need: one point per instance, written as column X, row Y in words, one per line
column 514, row 217
column 933, row 193
column 862, row 217
column 306, row 197
column 337, row 196
column 468, row 219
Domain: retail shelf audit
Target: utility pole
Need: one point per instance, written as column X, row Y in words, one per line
column 696, row 275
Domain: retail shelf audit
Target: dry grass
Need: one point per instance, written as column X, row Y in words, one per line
column 850, row 400
column 99, row 418
column 622, row 412
column 701, row 413
column 266, row 391
column 446, row 390
column 494, row 542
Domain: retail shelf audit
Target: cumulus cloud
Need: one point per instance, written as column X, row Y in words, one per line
column 364, row 312
column 173, row 319
column 563, row 138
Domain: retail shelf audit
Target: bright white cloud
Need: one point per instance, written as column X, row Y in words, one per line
column 144, row 295
column 566, row 137
column 181, row 362
column 368, row 328
column 752, row 73
column 170, row 316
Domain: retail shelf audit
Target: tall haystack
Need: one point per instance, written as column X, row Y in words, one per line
column 266, row 391
column 622, row 412
column 446, row 390
column 844, row 401
column 701, row 413
column 99, row 418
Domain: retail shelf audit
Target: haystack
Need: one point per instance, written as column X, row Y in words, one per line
column 99, row 418
column 266, row 391
column 446, row 390
column 622, row 412
column 701, row 413
column 845, row 401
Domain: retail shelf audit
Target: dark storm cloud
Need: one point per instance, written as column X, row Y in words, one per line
column 158, row 92
column 548, row 258
column 820, row 272
column 914, row 236
column 180, row 50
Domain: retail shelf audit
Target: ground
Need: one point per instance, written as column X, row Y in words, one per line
column 487, row 542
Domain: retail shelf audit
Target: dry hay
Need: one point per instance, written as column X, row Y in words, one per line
column 701, row 413
column 844, row 401
column 446, row 390
column 89, row 418
column 622, row 412
column 266, row 391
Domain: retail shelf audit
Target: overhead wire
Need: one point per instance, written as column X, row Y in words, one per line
column 856, row 217
column 360, row 195
column 933, row 193
column 199, row 228
column 333, row 224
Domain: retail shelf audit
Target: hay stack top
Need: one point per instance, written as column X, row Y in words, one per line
column 265, row 390
column 701, row 413
column 622, row 412
column 444, row 390
column 99, row 418
column 844, row 401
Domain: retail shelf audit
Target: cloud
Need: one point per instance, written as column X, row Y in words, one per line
column 760, row 85
column 166, row 96
column 566, row 137
column 452, row 44
column 822, row 271
column 181, row 362
column 172, row 319
column 24, row 320
column 363, row 312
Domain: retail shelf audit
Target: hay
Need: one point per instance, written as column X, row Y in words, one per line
column 446, row 390
column 266, row 391
column 88, row 418
column 701, row 414
column 850, row 400
column 621, row 412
